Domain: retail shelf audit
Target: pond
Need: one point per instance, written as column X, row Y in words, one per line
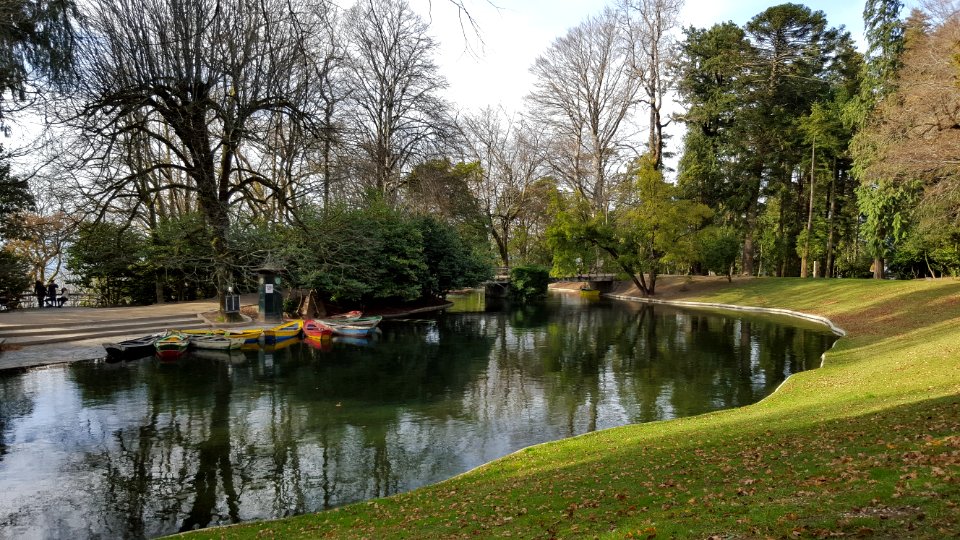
column 143, row 448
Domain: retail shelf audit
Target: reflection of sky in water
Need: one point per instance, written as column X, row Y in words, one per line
column 140, row 449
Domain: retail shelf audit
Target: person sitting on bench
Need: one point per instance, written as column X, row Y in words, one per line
column 62, row 299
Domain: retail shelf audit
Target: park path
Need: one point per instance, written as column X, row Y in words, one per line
column 37, row 337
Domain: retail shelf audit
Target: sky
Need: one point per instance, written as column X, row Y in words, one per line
column 515, row 32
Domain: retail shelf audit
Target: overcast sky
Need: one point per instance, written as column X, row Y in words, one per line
column 515, row 32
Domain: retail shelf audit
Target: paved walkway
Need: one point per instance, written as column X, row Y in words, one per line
column 88, row 348
column 82, row 315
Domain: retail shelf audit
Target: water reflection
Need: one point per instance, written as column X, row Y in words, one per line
column 145, row 448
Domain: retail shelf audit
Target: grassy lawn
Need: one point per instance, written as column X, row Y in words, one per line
column 866, row 446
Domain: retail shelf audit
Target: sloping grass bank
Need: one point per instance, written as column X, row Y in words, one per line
column 868, row 445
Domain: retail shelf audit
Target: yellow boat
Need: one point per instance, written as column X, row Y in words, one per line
column 283, row 332
column 589, row 293
column 250, row 336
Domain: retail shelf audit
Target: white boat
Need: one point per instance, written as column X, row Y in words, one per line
column 216, row 342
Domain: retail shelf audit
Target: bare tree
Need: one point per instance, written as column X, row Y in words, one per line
column 649, row 24
column 584, row 93
column 916, row 129
column 511, row 157
column 196, row 79
column 914, row 133
column 397, row 113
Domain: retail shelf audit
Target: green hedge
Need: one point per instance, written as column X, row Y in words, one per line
column 529, row 282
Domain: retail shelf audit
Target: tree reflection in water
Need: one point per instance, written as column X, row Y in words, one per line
column 215, row 439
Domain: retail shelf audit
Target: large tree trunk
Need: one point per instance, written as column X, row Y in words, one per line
column 501, row 247
column 878, row 268
column 804, row 261
column 831, row 225
column 749, row 226
column 636, row 277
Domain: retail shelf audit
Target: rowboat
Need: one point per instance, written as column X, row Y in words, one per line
column 171, row 345
column 250, row 336
column 283, row 332
column 353, row 330
column 343, row 317
column 131, row 348
column 221, row 342
column 316, row 330
column 371, row 321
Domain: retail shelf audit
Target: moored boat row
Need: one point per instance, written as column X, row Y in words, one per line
column 175, row 342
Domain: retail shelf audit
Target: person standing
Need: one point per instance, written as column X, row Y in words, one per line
column 52, row 293
column 39, row 291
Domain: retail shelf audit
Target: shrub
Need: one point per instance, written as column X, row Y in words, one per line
column 529, row 282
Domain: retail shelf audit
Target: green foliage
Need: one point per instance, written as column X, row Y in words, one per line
column 818, row 240
column 180, row 256
column 108, row 259
column 254, row 242
column 717, row 249
column 15, row 197
column 663, row 224
column 529, row 282
column 37, row 38
column 932, row 246
column 14, row 274
column 885, row 207
column 290, row 304
column 377, row 253
column 711, row 83
column 571, row 236
column 757, row 97
column 651, row 226
column 884, row 32
column 450, row 263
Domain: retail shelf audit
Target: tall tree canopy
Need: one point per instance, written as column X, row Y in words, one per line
column 189, row 84
column 910, row 145
column 747, row 91
column 583, row 94
column 397, row 111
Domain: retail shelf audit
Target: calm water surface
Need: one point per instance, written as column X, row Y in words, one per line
column 143, row 448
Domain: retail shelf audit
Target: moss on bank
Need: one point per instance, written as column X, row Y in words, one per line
column 868, row 445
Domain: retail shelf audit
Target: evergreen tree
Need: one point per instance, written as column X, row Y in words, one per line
column 881, row 203
column 36, row 39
